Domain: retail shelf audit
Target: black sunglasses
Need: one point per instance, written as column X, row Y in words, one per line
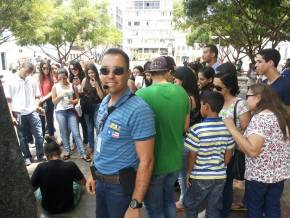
column 116, row 70
column 218, row 88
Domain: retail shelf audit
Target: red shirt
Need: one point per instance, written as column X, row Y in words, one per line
column 46, row 87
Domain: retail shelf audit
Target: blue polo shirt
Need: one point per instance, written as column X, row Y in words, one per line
column 132, row 120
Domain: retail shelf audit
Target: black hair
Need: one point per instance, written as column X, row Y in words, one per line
column 214, row 99
column 62, row 71
column 140, row 68
column 196, row 66
column 170, row 63
column 117, row 51
column 88, row 86
column 213, row 49
column 270, row 54
column 147, row 66
column 81, row 74
column 52, row 149
column 227, row 73
column 208, row 72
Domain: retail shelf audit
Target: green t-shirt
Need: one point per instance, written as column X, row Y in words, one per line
column 170, row 105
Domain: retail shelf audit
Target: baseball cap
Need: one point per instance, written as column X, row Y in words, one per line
column 159, row 64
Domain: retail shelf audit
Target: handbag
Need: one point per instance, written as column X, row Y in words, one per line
column 236, row 167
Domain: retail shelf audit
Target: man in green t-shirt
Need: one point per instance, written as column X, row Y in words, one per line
column 171, row 107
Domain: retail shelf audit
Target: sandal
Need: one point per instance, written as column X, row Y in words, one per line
column 238, row 206
column 66, row 157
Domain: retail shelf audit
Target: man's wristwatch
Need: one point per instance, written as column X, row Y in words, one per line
column 134, row 204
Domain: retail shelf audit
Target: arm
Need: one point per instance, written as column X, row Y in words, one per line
column 91, row 184
column 252, row 146
column 76, row 99
column 145, row 153
column 55, row 99
column 187, row 122
column 245, row 120
column 228, row 156
column 191, row 160
column 9, row 101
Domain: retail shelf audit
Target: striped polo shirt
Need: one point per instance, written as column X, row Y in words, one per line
column 131, row 121
column 209, row 139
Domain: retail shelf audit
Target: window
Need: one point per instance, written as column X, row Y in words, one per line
column 136, row 23
column 138, row 4
column 151, row 4
column 129, row 41
column 129, row 23
column 3, row 60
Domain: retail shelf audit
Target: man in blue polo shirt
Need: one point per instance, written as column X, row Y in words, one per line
column 267, row 61
column 123, row 160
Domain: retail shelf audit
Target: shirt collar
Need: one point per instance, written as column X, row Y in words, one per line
column 212, row 119
column 123, row 98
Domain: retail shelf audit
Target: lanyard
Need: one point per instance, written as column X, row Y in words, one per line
column 110, row 111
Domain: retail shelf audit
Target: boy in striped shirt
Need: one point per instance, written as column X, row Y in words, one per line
column 210, row 149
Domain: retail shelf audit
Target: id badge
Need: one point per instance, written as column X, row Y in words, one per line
column 99, row 144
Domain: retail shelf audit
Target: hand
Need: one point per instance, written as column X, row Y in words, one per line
column 229, row 122
column 40, row 110
column 133, row 213
column 71, row 101
column 91, row 186
column 14, row 121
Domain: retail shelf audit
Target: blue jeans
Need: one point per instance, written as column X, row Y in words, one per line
column 182, row 175
column 67, row 122
column 30, row 123
column 228, row 193
column 201, row 190
column 111, row 202
column 159, row 200
column 263, row 197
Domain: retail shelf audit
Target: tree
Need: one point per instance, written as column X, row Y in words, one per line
column 79, row 25
column 247, row 25
column 13, row 12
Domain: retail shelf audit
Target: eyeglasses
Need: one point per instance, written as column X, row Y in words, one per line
column 116, row 70
column 218, row 88
column 249, row 95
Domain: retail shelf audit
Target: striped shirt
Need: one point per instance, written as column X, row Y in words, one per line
column 209, row 139
column 131, row 121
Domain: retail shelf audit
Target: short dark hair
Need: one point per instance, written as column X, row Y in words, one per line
column 170, row 63
column 117, row 51
column 140, row 68
column 52, row 149
column 214, row 99
column 196, row 66
column 62, row 71
column 270, row 54
column 208, row 72
column 213, row 49
column 227, row 73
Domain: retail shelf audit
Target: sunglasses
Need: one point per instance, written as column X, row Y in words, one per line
column 218, row 88
column 45, row 68
column 116, row 70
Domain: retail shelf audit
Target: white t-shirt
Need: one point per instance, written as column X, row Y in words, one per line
column 63, row 103
column 22, row 92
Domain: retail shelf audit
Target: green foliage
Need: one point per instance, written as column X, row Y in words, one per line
column 79, row 24
column 247, row 25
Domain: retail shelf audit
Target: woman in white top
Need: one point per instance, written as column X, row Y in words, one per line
column 64, row 97
column 226, row 83
column 267, row 148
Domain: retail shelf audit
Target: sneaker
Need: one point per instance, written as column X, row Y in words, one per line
column 27, row 161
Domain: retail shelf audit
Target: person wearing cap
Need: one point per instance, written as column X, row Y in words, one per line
column 123, row 160
column 171, row 107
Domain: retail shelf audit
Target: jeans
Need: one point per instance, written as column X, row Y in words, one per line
column 48, row 118
column 159, row 200
column 201, row 190
column 263, row 197
column 111, row 202
column 90, row 121
column 228, row 193
column 67, row 122
column 30, row 123
column 182, row 176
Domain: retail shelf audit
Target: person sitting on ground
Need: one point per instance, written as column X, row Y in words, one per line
column 58, row 184
column 210, row 147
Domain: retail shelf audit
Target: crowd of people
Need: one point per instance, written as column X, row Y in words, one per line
column 145, row 129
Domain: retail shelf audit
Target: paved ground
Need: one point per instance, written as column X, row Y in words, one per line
column 86, row 208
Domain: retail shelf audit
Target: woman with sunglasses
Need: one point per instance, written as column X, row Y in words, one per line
column 64, row 97
column 45, row 86
column 267, row 147
column 205, row 79
column 76, row 76
column 183, row 76
column 93, row 94
column 226, row 83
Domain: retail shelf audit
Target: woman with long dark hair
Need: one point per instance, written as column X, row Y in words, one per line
column 183, row 76
column 205, row 79
column 93, row 94
column 226, row 83
column 267, row 148
column 76, row 76
column 45, row 86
